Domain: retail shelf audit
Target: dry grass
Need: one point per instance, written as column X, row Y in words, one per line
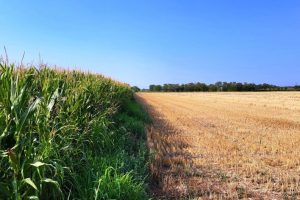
column 225, row 145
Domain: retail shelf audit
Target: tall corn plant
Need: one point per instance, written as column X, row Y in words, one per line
column 51, row 122
column 24, row 136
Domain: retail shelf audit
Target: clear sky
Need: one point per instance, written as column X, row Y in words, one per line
column 159, row 41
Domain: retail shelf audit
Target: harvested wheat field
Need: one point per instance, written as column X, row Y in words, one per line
column 224, row 145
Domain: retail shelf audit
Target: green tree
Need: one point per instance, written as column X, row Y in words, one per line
column 135, row 89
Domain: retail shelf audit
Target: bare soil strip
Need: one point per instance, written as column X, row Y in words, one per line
column 225, row 145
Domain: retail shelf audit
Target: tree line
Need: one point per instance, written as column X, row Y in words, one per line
column 219, row 86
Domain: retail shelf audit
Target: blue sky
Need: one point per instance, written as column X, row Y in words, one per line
column 159, row 41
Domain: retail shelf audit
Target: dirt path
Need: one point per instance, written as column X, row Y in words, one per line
column 225, row 145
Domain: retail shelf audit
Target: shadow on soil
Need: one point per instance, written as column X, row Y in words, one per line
column 174, row 175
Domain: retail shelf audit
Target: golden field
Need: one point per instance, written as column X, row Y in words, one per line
column 231, row 145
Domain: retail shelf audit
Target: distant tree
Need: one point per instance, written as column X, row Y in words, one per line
column 157, row 88
column 166, row 87
column 219, row 86
column 181, row 88
column 135, row 89
column 249, row 87
column 232, row 86
column 151, row 88
column 224, row 86
column 212, row 88
column 297, row 87
column 239, row 87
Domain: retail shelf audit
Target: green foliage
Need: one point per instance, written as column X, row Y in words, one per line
column 155, row 88
column 62, row 136
column 112, row 185
column 135, row 89
column 219, row 86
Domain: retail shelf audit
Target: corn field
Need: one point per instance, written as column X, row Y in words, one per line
column 69, row 135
